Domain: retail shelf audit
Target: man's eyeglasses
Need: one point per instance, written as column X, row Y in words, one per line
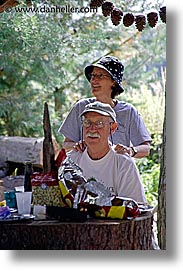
column 99, row 124
column 98, row 76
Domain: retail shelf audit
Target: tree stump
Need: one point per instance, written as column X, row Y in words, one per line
column 90, row 235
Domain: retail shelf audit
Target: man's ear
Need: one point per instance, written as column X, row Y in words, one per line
column 114, row 126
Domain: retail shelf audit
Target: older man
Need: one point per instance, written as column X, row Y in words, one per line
column 117, row 172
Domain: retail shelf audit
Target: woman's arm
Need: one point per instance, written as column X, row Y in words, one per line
column 139, row 151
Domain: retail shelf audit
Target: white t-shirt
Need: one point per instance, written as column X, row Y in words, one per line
column 117, row 172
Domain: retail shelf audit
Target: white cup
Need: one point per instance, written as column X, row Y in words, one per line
column 19, row 188
column 24, row 202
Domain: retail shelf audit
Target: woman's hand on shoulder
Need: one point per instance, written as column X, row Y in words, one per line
column 122, row 149
column 79, row 146
column 69, row 145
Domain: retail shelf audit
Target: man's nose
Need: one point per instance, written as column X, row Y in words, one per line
column 92, row 126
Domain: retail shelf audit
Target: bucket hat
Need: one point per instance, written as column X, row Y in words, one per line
column 110, row 64
column 100, row 108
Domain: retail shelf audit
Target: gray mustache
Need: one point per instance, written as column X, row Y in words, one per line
column 96, row 135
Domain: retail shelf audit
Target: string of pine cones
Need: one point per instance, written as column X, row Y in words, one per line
column 128, row 19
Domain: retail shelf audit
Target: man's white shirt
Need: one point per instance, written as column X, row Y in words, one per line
column 117, row 172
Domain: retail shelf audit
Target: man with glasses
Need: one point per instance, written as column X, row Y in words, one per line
column 99, row 160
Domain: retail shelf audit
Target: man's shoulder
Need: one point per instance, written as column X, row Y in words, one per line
column 75, row 156
column 122, row 158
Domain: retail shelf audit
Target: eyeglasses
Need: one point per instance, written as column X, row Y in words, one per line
column 98, row 76
column 99, row 124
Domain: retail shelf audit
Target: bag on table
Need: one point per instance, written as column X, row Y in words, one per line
column 45, row 189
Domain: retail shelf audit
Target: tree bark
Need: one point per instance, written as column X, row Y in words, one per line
column 48, row 149
column 161, row 215
column 90, row 235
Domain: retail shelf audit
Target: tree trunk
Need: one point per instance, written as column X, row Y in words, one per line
column 48, row 149
column 161, row 215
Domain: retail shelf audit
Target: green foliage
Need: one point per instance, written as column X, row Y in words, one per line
column 149, row 173
column 151, row 108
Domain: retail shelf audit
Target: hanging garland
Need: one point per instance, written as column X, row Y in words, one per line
column 108, row 9
column 116, row 14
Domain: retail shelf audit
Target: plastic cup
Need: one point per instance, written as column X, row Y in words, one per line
column 19, row 188
column 24, row 202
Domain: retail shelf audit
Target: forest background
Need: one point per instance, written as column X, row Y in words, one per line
column 42, row 57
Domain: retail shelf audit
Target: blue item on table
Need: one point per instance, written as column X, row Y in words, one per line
column 4, row 213
column 10, row 199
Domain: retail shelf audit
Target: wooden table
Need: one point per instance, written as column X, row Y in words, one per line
column 93, row 234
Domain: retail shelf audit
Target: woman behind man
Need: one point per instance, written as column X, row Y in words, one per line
column 105, row 78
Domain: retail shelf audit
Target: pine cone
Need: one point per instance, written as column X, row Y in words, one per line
column 162, row 14
column 96, row 3
column 116, row 16
column 140, row 22
column 128, row 19
column 107, row 8
column 152, row 19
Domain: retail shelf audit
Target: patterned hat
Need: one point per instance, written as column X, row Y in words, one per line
column 100, row 108
column 110, row 64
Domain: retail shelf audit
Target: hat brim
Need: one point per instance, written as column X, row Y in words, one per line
column 97, row 111
column 88, row 70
